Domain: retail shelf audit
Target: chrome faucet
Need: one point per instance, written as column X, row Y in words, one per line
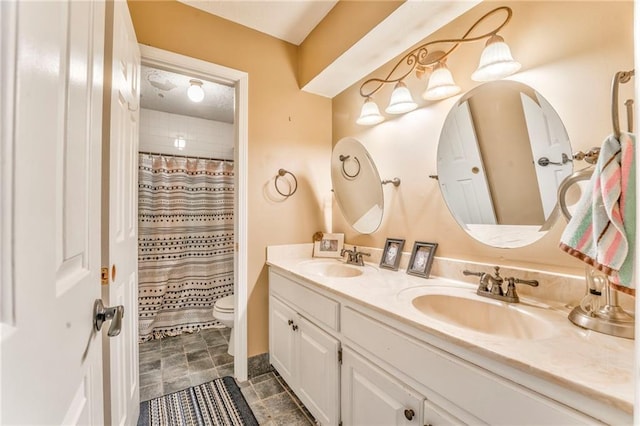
column 491, row 286
column 354, row 257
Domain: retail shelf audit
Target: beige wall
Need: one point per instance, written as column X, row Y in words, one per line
column 287, row 128
column 503, row 140
column 569, row 52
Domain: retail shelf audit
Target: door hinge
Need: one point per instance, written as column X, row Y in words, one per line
column 339, row 356
column 104, row 276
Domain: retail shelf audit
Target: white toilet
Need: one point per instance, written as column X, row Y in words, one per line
column 224, row 311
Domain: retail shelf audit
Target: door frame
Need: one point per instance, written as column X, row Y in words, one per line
column 186, row 65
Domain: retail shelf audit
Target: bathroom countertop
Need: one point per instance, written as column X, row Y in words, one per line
column 593, row 364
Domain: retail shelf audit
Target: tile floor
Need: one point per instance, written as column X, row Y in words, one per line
column 175, row 363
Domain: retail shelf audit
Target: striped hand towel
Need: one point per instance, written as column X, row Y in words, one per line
column 601, row 232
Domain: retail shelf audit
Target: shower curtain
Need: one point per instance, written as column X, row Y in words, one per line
column 185, row 243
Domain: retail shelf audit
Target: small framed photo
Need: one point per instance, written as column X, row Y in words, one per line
column 421, row 259
column 391, row 254
column 330, row 245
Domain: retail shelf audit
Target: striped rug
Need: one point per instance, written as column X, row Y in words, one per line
column 219, row 402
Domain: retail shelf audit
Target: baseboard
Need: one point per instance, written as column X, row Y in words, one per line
column 258, row 364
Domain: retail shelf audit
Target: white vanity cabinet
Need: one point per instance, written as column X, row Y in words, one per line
column 393, row 373
column 372, row 397
column 305, row 355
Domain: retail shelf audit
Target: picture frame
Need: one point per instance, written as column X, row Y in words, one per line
column 391, row 253
column 330, row 245
column 421, row 259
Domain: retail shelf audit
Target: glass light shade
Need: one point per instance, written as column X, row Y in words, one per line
column 370, row 114
column 441, row 84
column 401, row 100
column 179, row 143
column 496, row 61
column 195, row 92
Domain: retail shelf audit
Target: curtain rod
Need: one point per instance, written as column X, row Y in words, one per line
column 191, row 157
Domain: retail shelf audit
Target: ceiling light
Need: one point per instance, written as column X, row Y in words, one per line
column 370, row 114
column 496, row 62
column 441, row 84
column 179, row 143
column 195, row 92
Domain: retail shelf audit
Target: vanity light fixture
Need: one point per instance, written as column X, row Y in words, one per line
column 496, row 62
column 195, row 91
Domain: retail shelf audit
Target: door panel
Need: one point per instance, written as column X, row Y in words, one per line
column 461, row 172
column 371, row 397
column 318, row 372
column 548, row 138
column 51, row 355
column 281, row 343
column 120, row 245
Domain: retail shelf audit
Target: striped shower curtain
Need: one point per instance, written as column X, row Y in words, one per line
column 185, row 243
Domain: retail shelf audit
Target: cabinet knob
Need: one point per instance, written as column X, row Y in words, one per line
column 409, row 413
column 295, row 327
column 290, row 322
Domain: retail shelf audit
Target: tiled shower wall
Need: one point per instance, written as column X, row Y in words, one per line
column 203, row 138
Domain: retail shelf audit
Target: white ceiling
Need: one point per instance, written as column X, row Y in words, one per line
column 290, row 20
column 167, row 91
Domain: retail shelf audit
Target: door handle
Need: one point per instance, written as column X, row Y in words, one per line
column 102, row 314
column 544, row 161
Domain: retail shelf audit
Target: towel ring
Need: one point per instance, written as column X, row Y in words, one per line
column 584, row 174
column 280, row 174
column 344, row 159
column 621, row 77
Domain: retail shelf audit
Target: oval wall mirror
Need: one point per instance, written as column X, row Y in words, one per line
column 502, row 154
column 357, row 186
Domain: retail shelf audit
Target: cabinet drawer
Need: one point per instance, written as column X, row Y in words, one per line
column 307, row 302
column 436, row 416
column 484, row 395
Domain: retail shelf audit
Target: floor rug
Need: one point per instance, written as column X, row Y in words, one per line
column 219, row 402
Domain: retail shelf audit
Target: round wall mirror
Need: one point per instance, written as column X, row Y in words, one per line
column 502, row 154
column 356, row 185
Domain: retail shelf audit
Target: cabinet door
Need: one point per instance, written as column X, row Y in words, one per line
column 282, row 351
column 318, row 372
column 371, row 397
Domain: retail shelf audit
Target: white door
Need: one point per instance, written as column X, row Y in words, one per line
column 120, row 238
column 51, row 370
column 282, row 339
column 550, row 140
column 318, row 372
column 461, row 173
column 371, row 397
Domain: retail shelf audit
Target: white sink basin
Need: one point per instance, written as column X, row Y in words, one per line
column 332, row 269
column 485, row 315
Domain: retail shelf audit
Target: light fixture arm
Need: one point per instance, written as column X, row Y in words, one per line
column 420, row 56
